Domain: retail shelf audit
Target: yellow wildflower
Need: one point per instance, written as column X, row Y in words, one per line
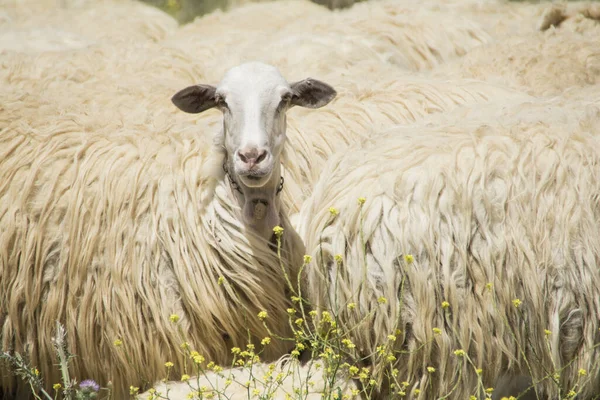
column 307, row 259
column 198, row 359
column 278, row 231
column 56, row 386
column 185, row 378
column 265, row 341
column 459, row 353
column 174, row 318
column 517, row 302
column 133, row 390
column 333, row 211
column 217, row 368
column 169, row 364
column 361, row 201
column 118, row 342
column 409, row 258
column 262, row 315
column 431, row 370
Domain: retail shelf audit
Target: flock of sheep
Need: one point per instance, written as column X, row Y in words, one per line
column 446, row 191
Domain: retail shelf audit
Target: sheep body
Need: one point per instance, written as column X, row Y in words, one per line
column 491, row 213
column 541, row 64
column 110, row 231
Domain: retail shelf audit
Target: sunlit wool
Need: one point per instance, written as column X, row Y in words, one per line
column 491, row 212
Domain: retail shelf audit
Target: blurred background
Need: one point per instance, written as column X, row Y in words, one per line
column 186, row 10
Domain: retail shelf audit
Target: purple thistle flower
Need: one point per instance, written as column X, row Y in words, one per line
column 89, row 384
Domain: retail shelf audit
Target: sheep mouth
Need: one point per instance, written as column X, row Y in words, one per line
column 255, row 179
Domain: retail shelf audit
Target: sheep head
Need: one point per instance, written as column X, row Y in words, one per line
column 254, row 98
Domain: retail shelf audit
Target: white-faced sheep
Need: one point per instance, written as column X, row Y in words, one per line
column 475, row 255
column 111, row 231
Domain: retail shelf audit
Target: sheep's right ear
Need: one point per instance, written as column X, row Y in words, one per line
column 195, row 99
column 311, row 93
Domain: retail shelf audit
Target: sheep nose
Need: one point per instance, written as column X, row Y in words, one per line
column 252, row 155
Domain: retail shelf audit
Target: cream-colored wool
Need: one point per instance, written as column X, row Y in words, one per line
column 109, row 231
column 284, row 377
column 491, row 212
column 541, row 64
column 35, row 26
column 384, row 32
column 558, row 13
column 361, row 112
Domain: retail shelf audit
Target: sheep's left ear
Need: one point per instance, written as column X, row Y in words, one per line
column 195, row 99
column 311, row 93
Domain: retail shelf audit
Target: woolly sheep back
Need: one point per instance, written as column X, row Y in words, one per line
column 491, row 213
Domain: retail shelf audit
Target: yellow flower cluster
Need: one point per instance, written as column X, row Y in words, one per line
column 196, row 357
column 459, row 353
column 517, row 303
